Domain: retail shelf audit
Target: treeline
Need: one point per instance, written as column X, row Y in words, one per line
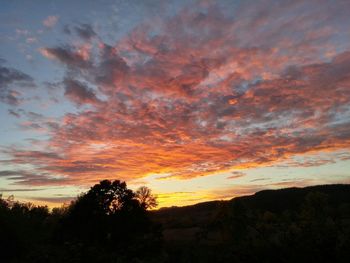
column 110, row 223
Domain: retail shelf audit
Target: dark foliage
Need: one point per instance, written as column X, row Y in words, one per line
column 109, row 217
column 288, row 225
column 110, row 223
column 106, row 224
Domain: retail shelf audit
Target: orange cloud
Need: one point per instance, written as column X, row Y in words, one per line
column 201, row 93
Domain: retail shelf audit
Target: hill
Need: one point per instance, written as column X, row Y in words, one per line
column 286, row 225
column 270, row 200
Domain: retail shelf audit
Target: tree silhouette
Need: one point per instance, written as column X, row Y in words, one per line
column 106, row 198
column 3, row 203
column 109, row 215
column 146, row 198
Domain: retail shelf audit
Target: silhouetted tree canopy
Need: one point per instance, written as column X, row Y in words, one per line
column 109, row 214
column 105, row 198
column 146, row 198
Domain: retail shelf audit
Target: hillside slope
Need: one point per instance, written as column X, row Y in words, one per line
column 179, row 221
column 286, row 225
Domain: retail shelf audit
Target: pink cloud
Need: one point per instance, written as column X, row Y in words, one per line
column 207, row 93
column 50, row 21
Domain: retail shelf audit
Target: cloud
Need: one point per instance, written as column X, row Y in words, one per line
column 50, row 21
column 22, row 32
column 5, row 190
column 85, row 31
column 236, row 174
column 14, row 113
column 33, row 178
column 79, row 93
column 34, row 121
column 202, row 92
column 67, row 55
column 31, row 40
column 12, row 81
column 55, row 200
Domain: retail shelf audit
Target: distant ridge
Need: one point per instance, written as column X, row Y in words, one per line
column 290, row 198
column 275, row 200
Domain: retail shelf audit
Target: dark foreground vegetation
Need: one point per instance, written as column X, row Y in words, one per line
column 110, row 223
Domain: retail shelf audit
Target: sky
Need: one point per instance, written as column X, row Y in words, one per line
column 198, row 100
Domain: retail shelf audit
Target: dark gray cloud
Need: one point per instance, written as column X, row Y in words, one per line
column 83, row 30
column 79, row 93
column 14, row 113
column 67, row 55
column 12, row 81
column 34, row 178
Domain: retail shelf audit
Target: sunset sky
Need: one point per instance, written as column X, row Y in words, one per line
column 198, row 100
